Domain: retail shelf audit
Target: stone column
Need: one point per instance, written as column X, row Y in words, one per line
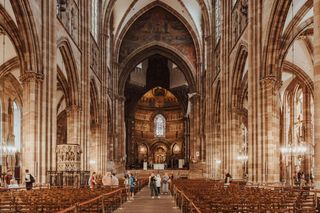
column 187, row 139
column 73, row 124
column 120, row 134
column 307, row 126
column 122, row 129
column 270, row 145
column 195, row 145
column 80, row 111
column 104, row 139
column 48, row 116
column 235, row 146
column 31, row 82
column 225, row 47
column 254, row 68
column 316, row 52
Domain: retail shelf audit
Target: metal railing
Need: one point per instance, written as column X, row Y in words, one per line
column 185, row 204
column 107, row 202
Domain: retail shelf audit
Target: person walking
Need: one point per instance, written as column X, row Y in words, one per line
column 29, row 180
column 152, row 185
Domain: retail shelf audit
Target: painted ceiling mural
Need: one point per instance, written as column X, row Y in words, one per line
column 158, row 25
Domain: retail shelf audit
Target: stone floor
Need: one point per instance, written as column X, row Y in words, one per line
column 144, row 203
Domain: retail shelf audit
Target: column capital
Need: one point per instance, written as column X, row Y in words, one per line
column 31, row 76
column 208, row 38
column 271, row 82
column 73, row 108
column 120, row 97
column 193, row 96
column 116, row 64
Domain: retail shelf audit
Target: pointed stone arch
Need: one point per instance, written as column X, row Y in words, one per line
column 94, row 101
column 151, row 49
column 272, row 44
column 107, row 17
column 9, row 77
column 237, row 75
column 217, row 101
column 63, row 82
column 302, row 77
column 12, row 31
column 145, row 10
column 28, row 32
column 71, row 70
column 289, row 39
column 9, row 65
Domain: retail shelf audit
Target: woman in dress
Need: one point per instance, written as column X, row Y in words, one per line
column 165, row 183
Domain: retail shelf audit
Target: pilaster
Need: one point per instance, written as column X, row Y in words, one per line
column 31, row 82
column 269, row 144
column 316, row 51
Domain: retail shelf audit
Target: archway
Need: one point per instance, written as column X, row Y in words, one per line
column 155, row 125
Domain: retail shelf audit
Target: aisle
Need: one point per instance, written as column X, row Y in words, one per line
column 144, row 203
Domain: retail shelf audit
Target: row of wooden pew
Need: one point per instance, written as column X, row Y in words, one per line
column 215, row 197
column 100, row 199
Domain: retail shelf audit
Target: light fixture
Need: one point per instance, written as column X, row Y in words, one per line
column 242, row 157
column 217, row 161
column 8, row 149
column 92, row 162
column 294, row 150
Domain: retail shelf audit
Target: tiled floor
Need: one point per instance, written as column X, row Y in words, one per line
column 144, row 203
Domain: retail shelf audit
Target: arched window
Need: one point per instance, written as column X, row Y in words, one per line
column 234, row 2
column 94, row 18
column 17, row 126
column 217, row 20
column 159, row 125
column 298, row 115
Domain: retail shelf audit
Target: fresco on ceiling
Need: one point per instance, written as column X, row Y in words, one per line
column 158, row 25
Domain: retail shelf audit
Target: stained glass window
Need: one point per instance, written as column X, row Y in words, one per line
column 217, row 20
column 94, row 18
column 299, row 115
column 160, row 125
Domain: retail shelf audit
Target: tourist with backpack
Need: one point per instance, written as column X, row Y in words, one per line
column 29, row 180
column 132, row 183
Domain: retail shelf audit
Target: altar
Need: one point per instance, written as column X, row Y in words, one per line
column 158, row 166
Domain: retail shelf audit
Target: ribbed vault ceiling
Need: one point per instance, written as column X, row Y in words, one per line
column 191, row 10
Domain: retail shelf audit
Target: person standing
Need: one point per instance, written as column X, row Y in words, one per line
column 158, row 184
column 227, row 179
column 7, row 178
column 165, row 183
column 132, row 183
column 106, row 180
column 114, row 180
column 152, row 185
column 29, row 180
column 92, row 180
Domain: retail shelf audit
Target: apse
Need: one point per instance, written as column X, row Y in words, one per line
column 156, row 130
